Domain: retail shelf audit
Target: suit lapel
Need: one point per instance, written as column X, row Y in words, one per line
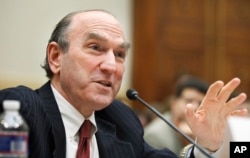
column 51, row 108
column 109, row 145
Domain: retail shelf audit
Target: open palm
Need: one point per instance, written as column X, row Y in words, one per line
column 208, row 121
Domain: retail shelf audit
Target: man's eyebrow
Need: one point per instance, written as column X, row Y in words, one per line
column 97, row 36
column 93, row 35
column 125, row 45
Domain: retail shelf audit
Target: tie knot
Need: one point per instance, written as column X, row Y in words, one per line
column 85, row 130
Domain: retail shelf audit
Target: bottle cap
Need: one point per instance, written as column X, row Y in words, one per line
column 11, row 104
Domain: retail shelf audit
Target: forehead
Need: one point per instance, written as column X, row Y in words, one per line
column 96, row 21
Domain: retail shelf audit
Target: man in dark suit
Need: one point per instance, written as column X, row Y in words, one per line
column 85, row 62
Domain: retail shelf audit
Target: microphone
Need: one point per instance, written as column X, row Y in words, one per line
column 133, row 95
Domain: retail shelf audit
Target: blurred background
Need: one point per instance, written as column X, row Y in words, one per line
column 206, row 38
column 26, row 26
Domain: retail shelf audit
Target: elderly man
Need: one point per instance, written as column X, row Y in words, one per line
column 85, row 62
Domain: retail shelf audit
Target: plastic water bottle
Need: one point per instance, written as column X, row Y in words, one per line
column 13, row 131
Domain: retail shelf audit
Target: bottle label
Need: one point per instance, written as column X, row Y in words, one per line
column 14, row 143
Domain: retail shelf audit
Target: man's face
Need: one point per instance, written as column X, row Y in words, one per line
column 91, row 71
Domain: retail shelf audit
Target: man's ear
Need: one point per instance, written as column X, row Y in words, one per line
column 54, row 55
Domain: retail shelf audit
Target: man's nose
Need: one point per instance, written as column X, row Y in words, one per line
column 109, row 62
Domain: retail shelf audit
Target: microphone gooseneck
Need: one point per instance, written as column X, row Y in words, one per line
column 133, row 95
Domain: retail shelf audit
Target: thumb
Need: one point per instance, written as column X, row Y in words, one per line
column 190, row 113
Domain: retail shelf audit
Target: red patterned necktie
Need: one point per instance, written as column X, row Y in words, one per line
column 83, row 150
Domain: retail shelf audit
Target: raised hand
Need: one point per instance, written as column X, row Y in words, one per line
column 209, row 120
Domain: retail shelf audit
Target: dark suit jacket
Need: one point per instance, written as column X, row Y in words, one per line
column 120, row 134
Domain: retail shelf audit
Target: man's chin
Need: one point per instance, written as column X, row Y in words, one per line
column 103, row 103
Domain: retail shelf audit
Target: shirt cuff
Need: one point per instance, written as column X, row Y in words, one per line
column 190, row 151
column 216, row 154
column 187, row 151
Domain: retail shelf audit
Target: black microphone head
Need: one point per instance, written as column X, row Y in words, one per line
column 132, row 94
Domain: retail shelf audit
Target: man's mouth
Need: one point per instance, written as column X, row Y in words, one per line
column 105, row 83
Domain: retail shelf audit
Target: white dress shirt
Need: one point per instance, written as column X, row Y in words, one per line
column 72, row 121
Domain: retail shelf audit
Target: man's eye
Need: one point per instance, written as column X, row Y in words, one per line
column 120, row 54
column 95, row 47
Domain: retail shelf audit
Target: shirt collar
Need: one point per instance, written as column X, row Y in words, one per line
column 72, row 119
